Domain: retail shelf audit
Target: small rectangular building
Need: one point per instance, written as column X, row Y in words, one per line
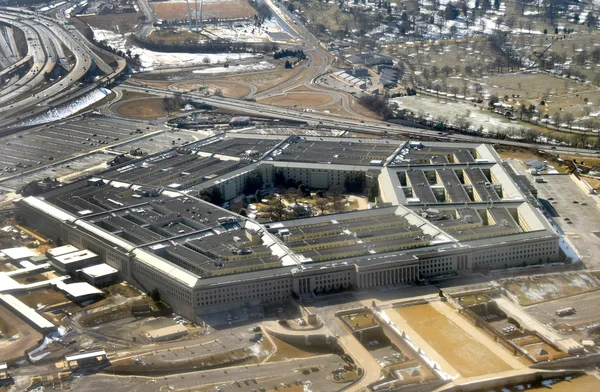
column 71, row 262
column 99, row 275
column 19, row 253
column 60, row 251
column 91, row 358
column 168, row 333
column 78, row 292
column 3, row 371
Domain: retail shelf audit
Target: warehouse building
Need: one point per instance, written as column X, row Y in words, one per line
column 168, row 333
column 444, row 208
column 99, row 275
column 68, row 263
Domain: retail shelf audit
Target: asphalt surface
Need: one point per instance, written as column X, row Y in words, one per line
column 578, row 216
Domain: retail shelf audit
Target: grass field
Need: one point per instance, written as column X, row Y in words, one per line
column 299, row 100
column 142, row 108
column 538, row 289
column 465, row 354
column 288, row 351
column 360, row 320
column 227, row 9
column 43, row 298
column 175, row 36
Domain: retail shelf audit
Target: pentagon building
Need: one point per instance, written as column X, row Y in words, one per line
column 443, row 209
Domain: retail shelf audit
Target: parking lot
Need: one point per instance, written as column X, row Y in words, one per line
column 82, row 143
column 587, row 307
column 45, row 144
column 578, row 216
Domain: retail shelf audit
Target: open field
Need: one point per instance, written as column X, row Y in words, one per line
column 467, row 356
column 228, row 9
column 299, row 100
column 43, row 298
column 118, row 23
column 142, row 108
column 538, row 289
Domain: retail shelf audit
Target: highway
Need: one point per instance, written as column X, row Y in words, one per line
column 47, row 38
column 370, row 126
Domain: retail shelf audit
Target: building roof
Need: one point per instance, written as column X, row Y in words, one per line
column 48, row 208
column 99, row 270
column 19, row 253
column 167, row 331
column 167, row 268
column 62, row 250
column 75, row 257
column 89, row 354
column 26, row 311
column 77, row 290
column 7, row 283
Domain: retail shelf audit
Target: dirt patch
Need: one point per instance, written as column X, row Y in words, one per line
column 142, row 108
column 132, row 94
column 105, row 315
column 228, row 88
column 118, row 23
column 11, row 351
column 178, row 36
column 594, row 182
column 41, row 299
column 538, row 289
column 230, row 9
column 39, row 277
column 463, row 352
column 6, row 329
column 153, row 364
column 123, row 289
column 267, row 80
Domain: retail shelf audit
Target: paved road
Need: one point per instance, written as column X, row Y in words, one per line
column 328, row 120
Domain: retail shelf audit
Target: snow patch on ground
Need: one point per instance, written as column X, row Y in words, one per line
column 435, row 108
column 263, row 65
column 68, row 109
column 248, row 32
column 157, row 60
